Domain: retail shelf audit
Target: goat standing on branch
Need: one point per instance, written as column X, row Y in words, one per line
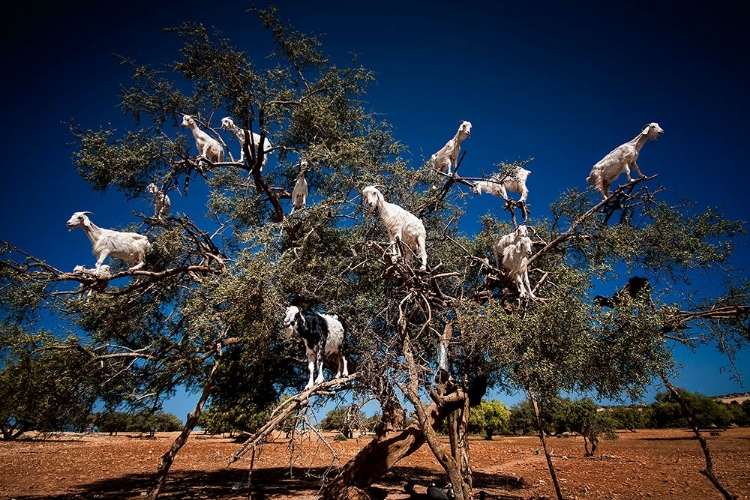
column 447, row 157
column 499, row 184
column 251, row 139
column 619, row 160
column 516, row 261
column 506, row 240
column 208, row 147
column 129, row 247
column 637, row 288
column 402, row 226
column 300, row 191
column 163, row 203
column 324, row 338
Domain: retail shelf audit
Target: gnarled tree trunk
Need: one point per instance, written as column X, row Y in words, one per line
column 167, row 458
column 377, row 458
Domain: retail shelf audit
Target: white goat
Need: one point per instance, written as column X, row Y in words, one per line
column 228, row 124
column 499, row 186
column 129, row 247
column 619, row 160
column 447, row 157
column 100, row 274
column 401, row 224
column 299, row 193
column 506, row 240
column 516, row 261
column 163, row 203
column 208, row 147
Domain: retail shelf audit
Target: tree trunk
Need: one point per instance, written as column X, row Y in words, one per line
column 375, row 460
column 166, row 460
column 709, row 470
column 380, row 454
column 540, row 425
column 445, row 405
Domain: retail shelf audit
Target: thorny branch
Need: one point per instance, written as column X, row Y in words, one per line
column 608, row 206
column 284, row 410
column 709, row 470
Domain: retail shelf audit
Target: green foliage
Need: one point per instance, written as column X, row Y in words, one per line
column 705, row 411
column 44, row 386
column 489, row 418
column 220, row 275
column 112, row 421
column 334, row 419
column 629, row 417
column 584, row 416
column 523, row 421
column 741, row 413
column 144, row 422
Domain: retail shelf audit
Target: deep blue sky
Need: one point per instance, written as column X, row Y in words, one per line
column 560, row 82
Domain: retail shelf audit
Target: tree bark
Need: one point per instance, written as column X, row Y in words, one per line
column 540, row 425
column 709, row 470
column 380, row 454
column 375, row 460
column 166, row 460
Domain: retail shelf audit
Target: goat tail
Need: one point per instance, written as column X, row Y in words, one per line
column 594, row 179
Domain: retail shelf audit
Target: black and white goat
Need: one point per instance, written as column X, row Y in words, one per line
column 324, row 338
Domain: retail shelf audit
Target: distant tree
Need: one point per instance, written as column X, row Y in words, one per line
column 666, row 413
column 743, row 418
column 372, row 421
column 628, row 417
column 334, row 419
column 112, row 422
column 587, row 420
column 346, row 419
column 522, row 420
column 704, row 410
column 44, row 390
column 561, row 414
column 215, row 421
column 489, row 418
column 165, row 422
column 476, row 421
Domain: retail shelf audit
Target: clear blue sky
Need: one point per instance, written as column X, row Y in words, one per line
column 562, row 82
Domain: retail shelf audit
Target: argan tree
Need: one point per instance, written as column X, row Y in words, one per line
column 205, row 312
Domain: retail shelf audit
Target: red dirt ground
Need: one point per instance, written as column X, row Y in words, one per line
column 645, row 464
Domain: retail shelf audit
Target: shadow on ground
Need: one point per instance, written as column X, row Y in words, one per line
column 232, row 484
